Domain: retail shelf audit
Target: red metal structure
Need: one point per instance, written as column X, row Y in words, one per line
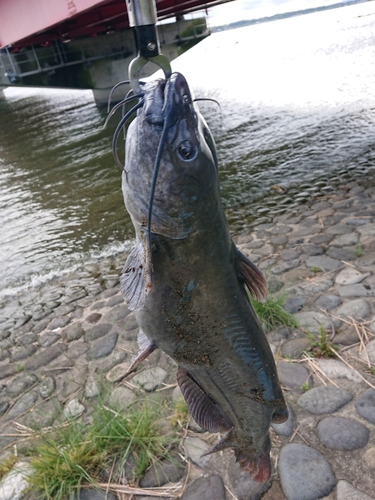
column 30, row 22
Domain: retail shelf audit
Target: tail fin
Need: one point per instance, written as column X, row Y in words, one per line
column 259, row 467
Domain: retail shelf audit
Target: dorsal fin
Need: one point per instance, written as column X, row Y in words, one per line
column 136, row 278
column 251, row 276
column 203, row 409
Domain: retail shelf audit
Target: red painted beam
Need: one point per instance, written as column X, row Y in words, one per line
column 26, row 22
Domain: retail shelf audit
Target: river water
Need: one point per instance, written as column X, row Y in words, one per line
column 297, row 110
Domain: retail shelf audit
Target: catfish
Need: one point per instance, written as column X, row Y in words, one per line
column 187, row 281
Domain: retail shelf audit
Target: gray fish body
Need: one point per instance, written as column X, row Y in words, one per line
column 191, row 299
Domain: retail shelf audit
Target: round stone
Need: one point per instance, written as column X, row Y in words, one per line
column 73, row 409
column 369, row 458
column 295, row 347
column 341, row 433
column 345, row 491
column 195, row 448
column 292, row 375
column 324, row 399
column 356, row 309
column 370, row 352
column 295, row 304
column 206, row 488
column 286, row 428
column 328, row 302
column 150, row 379
column 365, row 405
column 305, row 474
column 350, row 276
column 325, row 263
column 314, row 320
column 121, row 397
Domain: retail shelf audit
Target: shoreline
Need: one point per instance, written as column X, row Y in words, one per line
column 57, row 340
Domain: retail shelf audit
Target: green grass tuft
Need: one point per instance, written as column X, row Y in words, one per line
column 74, row 454
column 6, row 465
column 272, row 313
column 322, row 347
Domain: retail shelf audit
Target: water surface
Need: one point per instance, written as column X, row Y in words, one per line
column 298, row 109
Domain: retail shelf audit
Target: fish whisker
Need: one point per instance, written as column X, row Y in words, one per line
column 207, row 99
column 124, row 82
column 128, row 98
column 119, row 127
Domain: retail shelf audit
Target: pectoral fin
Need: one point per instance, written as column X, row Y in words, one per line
column 203, row 409
column 146, row 347
column 136, row 278
column 251, row 276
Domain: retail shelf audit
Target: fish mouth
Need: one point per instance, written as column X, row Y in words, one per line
column 170, row 101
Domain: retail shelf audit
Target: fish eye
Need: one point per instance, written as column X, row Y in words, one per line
column 187, row 150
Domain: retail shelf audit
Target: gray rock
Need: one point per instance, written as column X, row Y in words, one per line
column 350, row 276
column 27, row 339
column 357, row 222
column 324, row 399
column 44, row 357
column 72, row 297
column 346, row 254
column 365, row 405
column 369, row 352
column 314, row 320
column 93, row 318
column 116, row 299
column 321, row 238
column 279, row 229
column 20, row 384
column 337, row 229
column 328, row 302
column 333, row 368
column 345, row 240
column 281, row 333
column 312, row 249
column 94, row 494
column 92, row 388
column 48, row 338
column 357, row 309
column 345, row 491
column 286, row 428
column 97, row 331
column 102, row 347
column 295, row 347
column 24, row 403
column 73, row 408
column 244, row 487
column 292, row 375
column 77, row 349
column 121, row 397
column 274, row 285
column 323, row 262
column 21, row 353
column 58, row 323
column 72, row 332
column 283, row 267
column 340, row 433
column 357, row 291
column 295, row 304
column 195, row 448
column 206, row 488
column 166, row 471
column 305, row 474
column 15, row 482
column 47, row 387
column 150, row 379
column 289, row 254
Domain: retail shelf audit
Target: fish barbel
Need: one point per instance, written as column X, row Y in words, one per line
column 187, row 281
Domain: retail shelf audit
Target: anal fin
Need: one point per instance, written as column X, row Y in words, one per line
column 203, row 409
column 251, row 276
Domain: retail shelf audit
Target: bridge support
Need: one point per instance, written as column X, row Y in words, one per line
column 95, row 62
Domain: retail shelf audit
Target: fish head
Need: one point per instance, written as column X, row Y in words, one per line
column 169, row 144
